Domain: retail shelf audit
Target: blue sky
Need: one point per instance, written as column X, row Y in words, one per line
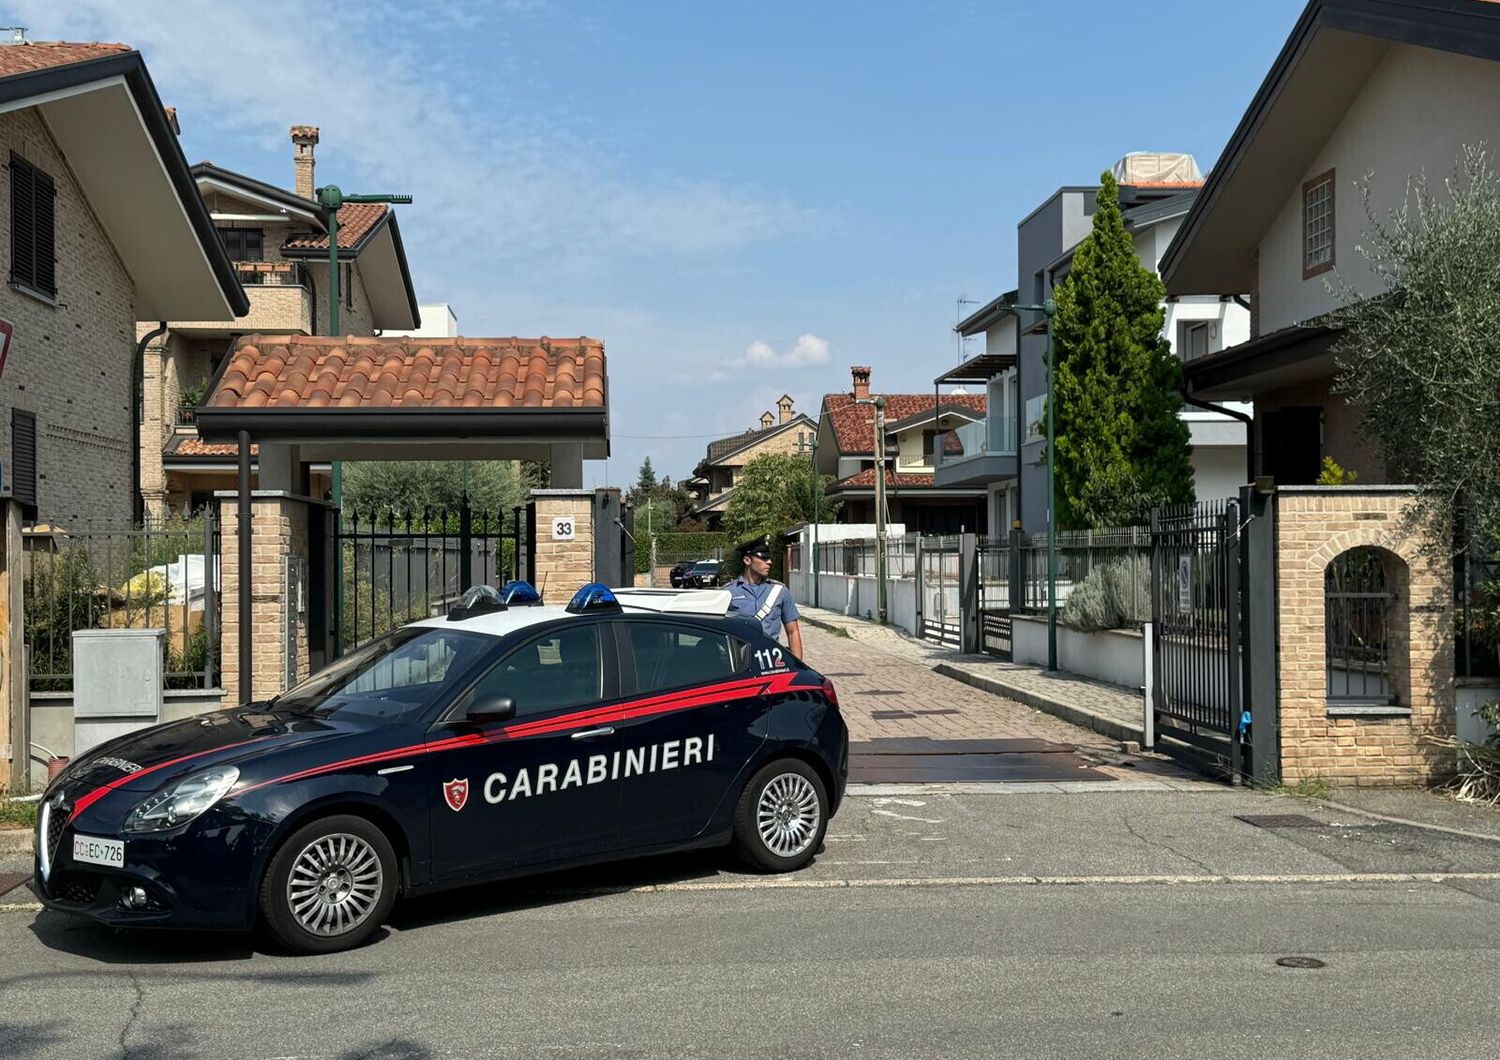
column 740, row 200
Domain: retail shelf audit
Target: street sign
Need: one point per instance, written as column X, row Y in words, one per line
column 6, row 329
column 1184, row 584
column 563, row 528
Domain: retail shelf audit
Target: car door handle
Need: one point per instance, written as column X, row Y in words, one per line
column 604, row 730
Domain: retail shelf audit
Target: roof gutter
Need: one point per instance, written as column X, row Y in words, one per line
column 1244, row 417
column 356, row 424
column 137, row 399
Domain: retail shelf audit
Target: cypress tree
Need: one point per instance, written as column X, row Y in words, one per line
column 1121, row 447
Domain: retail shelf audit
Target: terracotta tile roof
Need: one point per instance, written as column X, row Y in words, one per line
column 854, row 425
column 355, row 221
column 866, row 479
column 300, row 371
column 39, row 55
column 191, row 445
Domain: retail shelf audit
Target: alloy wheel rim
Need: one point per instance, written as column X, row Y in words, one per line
column 335, row 884
column 787, row 814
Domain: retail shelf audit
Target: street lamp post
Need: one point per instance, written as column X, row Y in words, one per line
column 1048, row 308
column 817, row 498
column 879, row 404
column 331, row 198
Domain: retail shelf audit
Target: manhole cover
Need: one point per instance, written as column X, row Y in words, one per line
column 1279, row 820
column 891, row 715
column 1300, row 962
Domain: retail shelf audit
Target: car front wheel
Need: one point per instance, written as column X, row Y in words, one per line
column 781, row 817
column 330, row 886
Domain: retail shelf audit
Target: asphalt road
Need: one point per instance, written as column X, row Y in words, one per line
column 1119, row 925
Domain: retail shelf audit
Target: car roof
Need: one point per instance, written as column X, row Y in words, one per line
column 638, row 603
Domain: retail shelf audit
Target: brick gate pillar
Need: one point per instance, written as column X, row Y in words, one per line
column 1362, row 744
column 564, row 544
column 280, row 591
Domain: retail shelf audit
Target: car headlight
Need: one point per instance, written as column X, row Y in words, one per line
column 179, row 803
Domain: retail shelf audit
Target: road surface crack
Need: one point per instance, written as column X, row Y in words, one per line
column 1160, row 842
column 135, row 1014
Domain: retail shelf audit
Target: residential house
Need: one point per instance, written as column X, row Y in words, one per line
column 914, row 425
column 1362, row 88
column 714, row 479
column 106, row 227
column 278, row 240
column 436, row 320
column 1005, row 453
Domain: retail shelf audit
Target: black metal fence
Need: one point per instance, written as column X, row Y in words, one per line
column 162, row 574
column 400, row 567
column 1195, row 590
column 1081, row 553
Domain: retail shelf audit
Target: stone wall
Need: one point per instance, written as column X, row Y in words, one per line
column 70, row 358
column 279, row 528
column 1319, row 739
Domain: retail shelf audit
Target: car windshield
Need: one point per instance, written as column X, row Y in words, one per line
column 707, row 566
column 393, row 678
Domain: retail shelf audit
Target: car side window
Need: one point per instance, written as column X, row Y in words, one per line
column 559, row 669
column 668, row 656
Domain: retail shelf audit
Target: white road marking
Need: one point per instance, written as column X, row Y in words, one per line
column 906, row 817
column 785, row 884
column 898, row 802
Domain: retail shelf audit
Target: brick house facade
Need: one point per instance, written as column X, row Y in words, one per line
column 281, row 259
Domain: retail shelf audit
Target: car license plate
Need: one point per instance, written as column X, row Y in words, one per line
column 92, row 850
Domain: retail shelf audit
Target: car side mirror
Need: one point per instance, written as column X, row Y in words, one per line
column 491, row 708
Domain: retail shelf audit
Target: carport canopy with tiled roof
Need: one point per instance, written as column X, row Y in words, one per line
column 412, row 398
column 305, row 399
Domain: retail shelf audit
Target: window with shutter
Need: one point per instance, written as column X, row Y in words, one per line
column 33, row 260
column 23, row 458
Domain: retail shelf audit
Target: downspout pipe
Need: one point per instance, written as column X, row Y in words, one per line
column 137, row 415
column 1244, row 417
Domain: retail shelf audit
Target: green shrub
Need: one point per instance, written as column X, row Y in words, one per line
column 1114, row 595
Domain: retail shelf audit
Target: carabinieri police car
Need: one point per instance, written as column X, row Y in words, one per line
column 500, row 740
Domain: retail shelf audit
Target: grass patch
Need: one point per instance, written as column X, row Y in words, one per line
column 17, row 814
column 1314, row 787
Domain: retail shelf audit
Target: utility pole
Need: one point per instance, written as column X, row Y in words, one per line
column 331, row 198
column 817, row 499
column 880, row 587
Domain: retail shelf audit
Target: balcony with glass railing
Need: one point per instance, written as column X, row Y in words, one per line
column 977, row 452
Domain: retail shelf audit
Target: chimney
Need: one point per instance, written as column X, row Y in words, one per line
column 766, row 420
column 172, row 120
column 305, row 137
column 784, row 408
column 861, row 376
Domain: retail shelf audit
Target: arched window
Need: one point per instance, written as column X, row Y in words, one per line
column 1358, row 603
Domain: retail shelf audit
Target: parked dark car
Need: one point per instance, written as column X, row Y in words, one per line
column 496, row 742
column 678, row 575
column 706, row 574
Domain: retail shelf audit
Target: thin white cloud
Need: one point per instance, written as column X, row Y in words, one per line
column 492, row 178
column 806, row 351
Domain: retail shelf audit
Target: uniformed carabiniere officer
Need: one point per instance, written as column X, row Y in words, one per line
column 755, row 594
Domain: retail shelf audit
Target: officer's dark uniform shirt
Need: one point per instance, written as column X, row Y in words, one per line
column 747, row 599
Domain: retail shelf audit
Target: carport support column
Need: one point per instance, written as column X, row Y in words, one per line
column 245, row 525
column 567, row 466
column 565, row 535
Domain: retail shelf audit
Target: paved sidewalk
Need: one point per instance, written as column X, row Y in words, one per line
column 1114, row 713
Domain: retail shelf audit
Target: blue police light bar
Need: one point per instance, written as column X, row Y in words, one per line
column 520, row 594
column 593, row 598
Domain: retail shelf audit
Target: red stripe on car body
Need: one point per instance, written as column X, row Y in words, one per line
column 686, row 699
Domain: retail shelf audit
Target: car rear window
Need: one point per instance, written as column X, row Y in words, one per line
column 668, row 656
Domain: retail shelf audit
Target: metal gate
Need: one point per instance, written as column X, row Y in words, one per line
column 1195, row 611
column 400, row 567
column 996, row 576
column 939, row 607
